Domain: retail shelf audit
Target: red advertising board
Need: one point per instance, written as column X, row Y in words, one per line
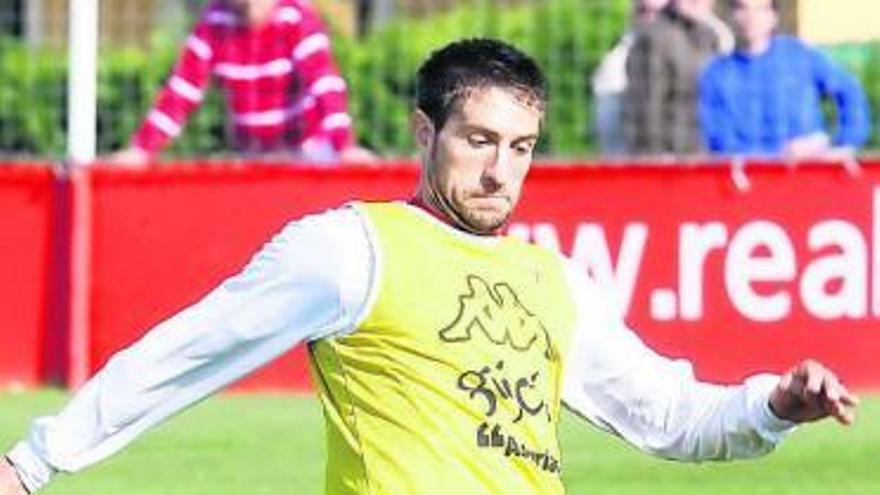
column 162, row 238
column 27, row 194
column 738, row 276
column 737, row 281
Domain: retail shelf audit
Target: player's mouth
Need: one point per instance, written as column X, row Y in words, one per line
column 490, row 198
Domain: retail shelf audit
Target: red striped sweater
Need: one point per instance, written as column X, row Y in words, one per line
column 282, row 86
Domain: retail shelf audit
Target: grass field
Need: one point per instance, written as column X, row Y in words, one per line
column 274, row 445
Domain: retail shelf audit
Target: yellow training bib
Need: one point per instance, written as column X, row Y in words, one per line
column 451, row 385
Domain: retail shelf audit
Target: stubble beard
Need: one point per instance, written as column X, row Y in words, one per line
column 469, row 220
column 488, row 222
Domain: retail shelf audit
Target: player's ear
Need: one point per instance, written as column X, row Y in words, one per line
column 422, row 129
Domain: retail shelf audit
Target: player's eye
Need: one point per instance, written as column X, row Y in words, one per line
column 524, row 148
column 478, row 140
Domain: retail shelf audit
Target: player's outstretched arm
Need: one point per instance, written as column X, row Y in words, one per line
column 9, row 482
column 290, row 292
column 655, row 403
column 810, row 392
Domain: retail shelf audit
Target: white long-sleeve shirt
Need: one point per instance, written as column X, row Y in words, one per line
column 317, row 278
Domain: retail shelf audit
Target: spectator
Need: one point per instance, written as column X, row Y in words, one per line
column 660, row 108
column 766, row 98
column 273, row 62
column 609, row 81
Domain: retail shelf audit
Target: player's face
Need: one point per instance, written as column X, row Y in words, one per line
column 755, row 21
column 476, row 163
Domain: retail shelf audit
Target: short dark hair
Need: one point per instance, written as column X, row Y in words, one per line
column 459, row 67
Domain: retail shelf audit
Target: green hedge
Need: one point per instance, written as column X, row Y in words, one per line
column 128, row 82
column 863, row 60
column 566, row 36
column 33, row 100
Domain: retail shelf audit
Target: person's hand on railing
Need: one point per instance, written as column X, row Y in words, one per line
column 356, row 155
column 811, row 146
column 129, row 157
column 840, row 154
column 817, row 147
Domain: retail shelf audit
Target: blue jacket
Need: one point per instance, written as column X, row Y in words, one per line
column 755, row 104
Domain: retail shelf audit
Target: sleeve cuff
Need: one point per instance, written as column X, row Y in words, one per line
column 767, row 424
column 33, row 471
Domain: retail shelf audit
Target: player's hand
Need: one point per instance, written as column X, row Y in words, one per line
column 9, row 482
column 810, row 392
column 130, row 157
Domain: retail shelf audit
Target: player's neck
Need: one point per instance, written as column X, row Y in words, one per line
column 420, row 202
column 435, row 212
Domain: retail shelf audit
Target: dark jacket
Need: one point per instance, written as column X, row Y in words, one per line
column 663, row 69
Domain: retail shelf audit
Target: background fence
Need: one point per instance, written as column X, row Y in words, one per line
column 378, row 44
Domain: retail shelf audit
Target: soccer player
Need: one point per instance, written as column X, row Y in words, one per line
column 442, row 351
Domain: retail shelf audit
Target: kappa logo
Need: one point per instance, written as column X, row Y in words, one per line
column 496, row 312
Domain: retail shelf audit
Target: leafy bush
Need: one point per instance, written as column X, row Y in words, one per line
column 32, row 101
column 567, row 37
column 863, row 60
column 129, row 80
